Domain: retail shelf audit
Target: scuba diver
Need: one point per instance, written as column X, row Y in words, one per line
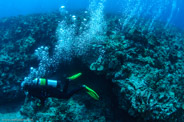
column 43, row 88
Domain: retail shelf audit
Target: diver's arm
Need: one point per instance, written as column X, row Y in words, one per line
column 66, row 84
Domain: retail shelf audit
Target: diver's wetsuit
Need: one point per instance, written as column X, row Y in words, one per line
column 43, row 92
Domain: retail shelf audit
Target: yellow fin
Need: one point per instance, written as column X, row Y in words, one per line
column 92, row 93
column 73, row 77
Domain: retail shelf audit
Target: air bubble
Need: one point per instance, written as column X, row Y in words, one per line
column 46, row 48
column 62, row 6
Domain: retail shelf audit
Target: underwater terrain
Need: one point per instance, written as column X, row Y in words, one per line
column 135, row 63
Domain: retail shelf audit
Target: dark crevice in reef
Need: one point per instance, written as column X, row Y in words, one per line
column 103, row 86
column 119, row 115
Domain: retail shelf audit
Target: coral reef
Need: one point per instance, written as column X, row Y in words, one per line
column 147, row 69
column 19, row 36
column 144, row 69
column 66, row 110
column 22, row 47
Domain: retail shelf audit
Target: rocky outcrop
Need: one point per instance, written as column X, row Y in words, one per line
column 146, row 68
column 140, row 72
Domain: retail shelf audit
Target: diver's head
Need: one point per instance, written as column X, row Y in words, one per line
column 25, row 86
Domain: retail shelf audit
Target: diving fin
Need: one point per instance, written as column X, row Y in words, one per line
column 91, row 92
column 73, row 77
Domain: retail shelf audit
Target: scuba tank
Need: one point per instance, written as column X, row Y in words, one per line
column 53, row 83
column 46, row 82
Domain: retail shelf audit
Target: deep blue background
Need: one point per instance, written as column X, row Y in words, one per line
column 24, row 7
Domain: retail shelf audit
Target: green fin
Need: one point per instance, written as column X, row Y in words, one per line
column 73, row 77
column 92, row 93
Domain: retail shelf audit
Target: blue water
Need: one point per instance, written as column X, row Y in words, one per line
column 170, row 10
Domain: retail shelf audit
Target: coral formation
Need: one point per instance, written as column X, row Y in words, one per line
column 145, row 68
column 19, row 36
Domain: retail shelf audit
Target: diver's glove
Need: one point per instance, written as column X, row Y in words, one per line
column 91, row 92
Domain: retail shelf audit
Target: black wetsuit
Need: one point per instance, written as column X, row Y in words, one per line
column 43, row 92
